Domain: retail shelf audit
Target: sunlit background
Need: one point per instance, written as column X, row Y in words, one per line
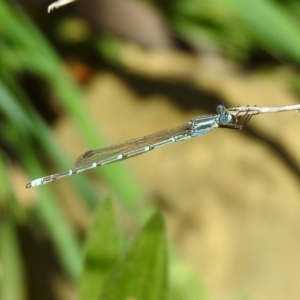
column 100, row 72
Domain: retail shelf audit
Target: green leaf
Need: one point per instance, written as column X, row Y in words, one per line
column 11, row 277
column 102, row 248
column 28, row 50
column 271, row 24
column 141, row 274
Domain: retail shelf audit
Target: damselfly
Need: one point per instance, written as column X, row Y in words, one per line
column 195, row 127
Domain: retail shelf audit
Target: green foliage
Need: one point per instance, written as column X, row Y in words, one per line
column 102, row 249
column 11, row 277
column 26, row 49
column 140, row 274
column 184, row 282
column 233, row 27
column 238, row 27
column 23, row 48
column 270, row 24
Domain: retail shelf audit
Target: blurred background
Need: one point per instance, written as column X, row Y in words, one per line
column 99, row 72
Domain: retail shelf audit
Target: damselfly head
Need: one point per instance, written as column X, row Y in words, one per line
column 224, row 119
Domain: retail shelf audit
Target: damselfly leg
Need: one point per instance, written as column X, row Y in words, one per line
column 238, row 121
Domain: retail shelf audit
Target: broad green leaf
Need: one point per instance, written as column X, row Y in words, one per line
column 102, row 248
column 141, row 274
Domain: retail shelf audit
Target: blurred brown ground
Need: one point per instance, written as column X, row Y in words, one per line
column 231, row 201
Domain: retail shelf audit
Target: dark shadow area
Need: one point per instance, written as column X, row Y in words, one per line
column 40, row 263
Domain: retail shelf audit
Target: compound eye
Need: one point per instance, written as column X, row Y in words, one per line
column 224, row 119
column 221, row 109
